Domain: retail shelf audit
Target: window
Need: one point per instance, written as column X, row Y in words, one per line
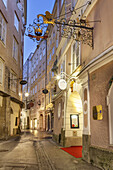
column 37, row 61
column 15, row 49
column 43, row 66
column 62, row 2
column 5, row 3
column 48, row 61
column 53, row 50
column 2, row 29
column 13, row 82
column 1, row 72
column 44, row 50
column 50, row 76
column 34, row 65
column 50, row 42
column 75, row 55
column 32, row 68
column 56, row 43
column 20, row 61
column 59, row 110
column 39, row 70
column 50, row 57
column 43, row 83
column 53, row 34
column 40, row 56
column 73, row 3
column 31, row 80
column 35, row 89
column 63, row 66
column 36, row 75
column 16, row 22
column 39, row 86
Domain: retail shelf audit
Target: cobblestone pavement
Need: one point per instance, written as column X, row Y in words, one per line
column 18, row 154
column 35, row 150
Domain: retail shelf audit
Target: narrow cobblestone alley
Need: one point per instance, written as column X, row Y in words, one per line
column 36, row 151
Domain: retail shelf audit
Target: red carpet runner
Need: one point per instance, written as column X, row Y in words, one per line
column 75, row 151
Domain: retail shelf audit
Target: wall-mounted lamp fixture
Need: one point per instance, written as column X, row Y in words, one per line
column 62, row 83
column 26, row 94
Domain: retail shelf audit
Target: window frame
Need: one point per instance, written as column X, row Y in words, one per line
column 73, row 3
column 13, row 82
column 5, row 3
column 1, row 70
column 15, row 54
column 16, row 21
column 74, row 56
column 3, row 24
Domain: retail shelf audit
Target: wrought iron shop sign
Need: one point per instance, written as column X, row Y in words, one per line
column 78, row 29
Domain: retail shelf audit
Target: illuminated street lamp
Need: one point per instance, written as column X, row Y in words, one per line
column 63, row 80
column 26, row 94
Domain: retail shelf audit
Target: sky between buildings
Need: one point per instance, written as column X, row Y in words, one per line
column 35, row 7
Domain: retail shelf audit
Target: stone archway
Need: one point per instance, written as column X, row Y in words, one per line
column 74, row 120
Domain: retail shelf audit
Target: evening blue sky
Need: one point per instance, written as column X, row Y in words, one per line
column 35, row 7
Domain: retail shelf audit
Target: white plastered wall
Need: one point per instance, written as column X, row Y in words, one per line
column 15, row 107
column 74, row 106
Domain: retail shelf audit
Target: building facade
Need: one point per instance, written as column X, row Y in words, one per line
column 25, row 122
column 36, row 99
column 52, row 44
column 12, row 22
column 83, row 111
column 80, row 101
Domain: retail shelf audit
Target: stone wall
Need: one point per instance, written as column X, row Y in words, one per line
column 101, row 157
column 4, row 118
column 86, row 144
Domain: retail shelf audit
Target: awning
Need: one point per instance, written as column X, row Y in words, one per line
column 3, row 94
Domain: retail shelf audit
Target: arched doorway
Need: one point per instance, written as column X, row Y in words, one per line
column 74, row 120
column 11, row 121
column 48, row 120
column 41, row 121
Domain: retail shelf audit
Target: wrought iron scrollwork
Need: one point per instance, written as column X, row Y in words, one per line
column 78, row 29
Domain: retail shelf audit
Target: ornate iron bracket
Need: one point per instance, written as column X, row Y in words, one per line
column 78, row 29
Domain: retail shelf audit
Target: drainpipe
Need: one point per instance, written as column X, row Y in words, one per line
column 89, row 102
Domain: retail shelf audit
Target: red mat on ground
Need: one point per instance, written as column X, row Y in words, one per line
column 75, row 151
